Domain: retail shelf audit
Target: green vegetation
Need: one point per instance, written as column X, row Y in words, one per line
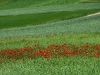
column 2, row 2
column 80, row 25
column 49, row 22
column 57, row 66
column 44, row 41
column 50, row 8
column 33, row 3
column 35, row 19
column 88, row 1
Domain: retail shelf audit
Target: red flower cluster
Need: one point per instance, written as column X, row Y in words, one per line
column 50, row 51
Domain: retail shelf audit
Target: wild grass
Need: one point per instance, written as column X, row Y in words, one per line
column 58, row 66
column 44, row 41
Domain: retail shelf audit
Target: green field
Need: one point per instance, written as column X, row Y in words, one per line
column 61, row 66
column 42, row 23
column 32, row 3
column 9, row 4
column 36, row 19
column 76, row 39
column 79, row 25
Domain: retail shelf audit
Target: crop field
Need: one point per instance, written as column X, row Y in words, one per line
column 49, row 8
column 80, row 25
column 36, row 19
column 54, row 37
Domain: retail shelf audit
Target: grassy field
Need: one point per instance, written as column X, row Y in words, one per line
column 36, row 19
column 80, row 25
column 44, row 41
column 61, row 36
column 57, row 66
column 50, row 8
column 34, row 3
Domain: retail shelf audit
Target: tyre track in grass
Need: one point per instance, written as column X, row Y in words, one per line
column 94, row 14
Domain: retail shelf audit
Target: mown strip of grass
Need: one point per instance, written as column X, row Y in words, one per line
column 36, row 3
column 35, row 19
column 28, row 3
column 50, row 8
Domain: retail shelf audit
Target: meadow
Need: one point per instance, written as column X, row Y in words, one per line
column 55, row 37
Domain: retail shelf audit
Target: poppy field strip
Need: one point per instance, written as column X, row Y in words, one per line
column 50, row 51
column 17, row 42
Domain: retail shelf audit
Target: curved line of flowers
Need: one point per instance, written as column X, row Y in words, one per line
column 50, row 51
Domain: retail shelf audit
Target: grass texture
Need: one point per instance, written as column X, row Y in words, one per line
column 35, row 19
column 49, row 8
column 73, row 31
column 57, row 66
column 80, row 25
column 10, row 4
column 44, row 41
column 33, row 3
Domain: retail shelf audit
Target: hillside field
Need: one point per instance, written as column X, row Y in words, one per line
column 49, row 37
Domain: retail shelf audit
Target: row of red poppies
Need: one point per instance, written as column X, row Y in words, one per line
column 51, row 50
